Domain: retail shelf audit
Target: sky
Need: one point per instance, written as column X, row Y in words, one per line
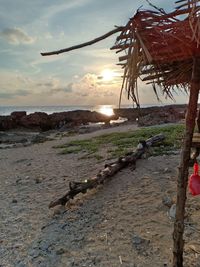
column 87, row 76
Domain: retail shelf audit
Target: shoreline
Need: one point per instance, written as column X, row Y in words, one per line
column 62, row 108
column 20, row 129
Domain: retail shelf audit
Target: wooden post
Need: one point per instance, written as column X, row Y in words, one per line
column 182, row 180
column 198, row 121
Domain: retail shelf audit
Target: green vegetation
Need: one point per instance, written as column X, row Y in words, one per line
column 117, row 144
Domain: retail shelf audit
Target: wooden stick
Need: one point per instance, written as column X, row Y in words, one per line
column 118, row 29
column 109, row 170
column 182, row 181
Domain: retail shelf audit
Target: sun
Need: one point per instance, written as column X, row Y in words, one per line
column 107, row 75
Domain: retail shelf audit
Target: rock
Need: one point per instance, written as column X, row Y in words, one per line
column 20, row 264
column 167, row 201
column 60, row 251
column 38, row 180
column 166, row 170
column 18, row 180
column 172, row 211
column 136, row 240
column 59, row 210
column 17, row 115
column 139, row 243
column 188, row 231
column 78, row 117
column 37, row 120
column 14, row 201
column 71, row 262
column 65, row 120
column 153, row 115
column 39, row 139
column 6, row 123
column 42, row 121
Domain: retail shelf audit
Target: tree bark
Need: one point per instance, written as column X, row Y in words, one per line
column 182, row 180
column 109, row 170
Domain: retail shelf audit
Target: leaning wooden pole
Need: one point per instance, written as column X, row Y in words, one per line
column 182, row 180
column 96, row 40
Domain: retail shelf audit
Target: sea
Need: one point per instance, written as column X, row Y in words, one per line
column 105, row 109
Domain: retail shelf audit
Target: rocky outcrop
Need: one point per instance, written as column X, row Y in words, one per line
column 78, row 117
column 41, row 121
column 153, row 115
column 37, row 120
column 17, row 115
column 7, row 123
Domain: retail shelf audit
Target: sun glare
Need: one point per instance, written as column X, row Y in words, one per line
column 107, row 75
column 106, row 110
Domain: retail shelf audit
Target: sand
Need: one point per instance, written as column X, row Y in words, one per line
column 124, row 223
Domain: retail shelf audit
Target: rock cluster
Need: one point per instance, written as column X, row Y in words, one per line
column 42, row 122
column 153, row 115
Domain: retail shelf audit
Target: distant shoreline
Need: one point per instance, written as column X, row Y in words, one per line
column 7, row 110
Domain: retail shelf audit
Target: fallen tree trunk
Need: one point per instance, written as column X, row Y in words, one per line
column 109, row 170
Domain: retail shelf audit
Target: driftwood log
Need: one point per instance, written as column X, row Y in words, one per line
column 108, row 171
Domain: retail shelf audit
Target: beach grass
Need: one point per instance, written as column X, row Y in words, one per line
column 119, row 143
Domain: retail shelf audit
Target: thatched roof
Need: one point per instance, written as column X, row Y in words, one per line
column 159, row 47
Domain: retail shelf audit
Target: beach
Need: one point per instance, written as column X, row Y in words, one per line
column 128, row 221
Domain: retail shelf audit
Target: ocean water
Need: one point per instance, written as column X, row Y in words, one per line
column 105, row 109
column 7, row 110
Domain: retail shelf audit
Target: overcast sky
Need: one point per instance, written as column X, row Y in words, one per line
column 28, row 27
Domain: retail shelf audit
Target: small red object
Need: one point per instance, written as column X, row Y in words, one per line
column 194, row 181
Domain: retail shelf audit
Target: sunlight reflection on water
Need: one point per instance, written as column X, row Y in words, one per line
column 106, row 109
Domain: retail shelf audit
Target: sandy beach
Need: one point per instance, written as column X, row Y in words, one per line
column 126, row 222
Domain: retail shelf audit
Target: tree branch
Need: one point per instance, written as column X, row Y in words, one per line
column 118, row 29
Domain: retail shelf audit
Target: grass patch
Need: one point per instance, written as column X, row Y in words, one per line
column 77, row 146
column 118, row 144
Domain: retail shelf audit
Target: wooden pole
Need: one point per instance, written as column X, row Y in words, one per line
column 182, row 180
column 98, row 39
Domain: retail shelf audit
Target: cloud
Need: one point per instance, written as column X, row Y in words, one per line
column 6, row 95
column 21, row 92
column 90, row 80
column 54, row 86
column 9, row 95
column 16, row 36
column 60, row 89
column 69, row 88
column 89, row 88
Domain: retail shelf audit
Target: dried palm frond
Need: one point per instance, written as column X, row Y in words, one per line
column 159, row 48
